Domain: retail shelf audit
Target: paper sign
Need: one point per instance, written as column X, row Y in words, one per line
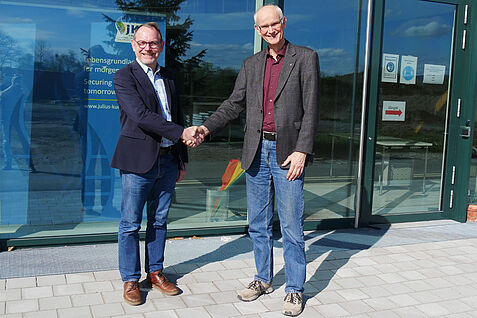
column 434, row 74
column 408, row 70
column 394, row 111
column 390, row 68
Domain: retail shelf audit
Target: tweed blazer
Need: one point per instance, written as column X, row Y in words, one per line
column 142, row 123
column 296, row 104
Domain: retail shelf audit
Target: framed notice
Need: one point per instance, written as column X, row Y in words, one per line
column 394, row 110
column 408, row 70
column 434, row 74
column 390, row 68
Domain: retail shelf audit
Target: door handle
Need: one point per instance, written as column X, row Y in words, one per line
column 465, row 132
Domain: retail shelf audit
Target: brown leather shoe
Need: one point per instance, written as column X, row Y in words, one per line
column 159, row 281
column 131, row 293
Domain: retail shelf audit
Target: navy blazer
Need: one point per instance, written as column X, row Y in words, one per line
column 142, row 123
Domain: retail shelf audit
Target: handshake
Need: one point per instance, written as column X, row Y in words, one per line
column 194, row 135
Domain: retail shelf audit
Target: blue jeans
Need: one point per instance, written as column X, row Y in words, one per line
column 156, row 188
column 264, row 179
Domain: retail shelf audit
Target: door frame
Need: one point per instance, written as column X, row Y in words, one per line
column 461, row 86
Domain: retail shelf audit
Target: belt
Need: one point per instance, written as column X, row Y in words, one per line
column 269, row 135
column 165, row 150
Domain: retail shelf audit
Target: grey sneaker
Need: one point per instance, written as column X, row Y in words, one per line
column 254, row 290
column 293, row 304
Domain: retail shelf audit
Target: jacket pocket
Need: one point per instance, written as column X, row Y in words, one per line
column 133, row 134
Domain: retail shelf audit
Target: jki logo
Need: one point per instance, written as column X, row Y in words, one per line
column 126, row 28
column 125, row 31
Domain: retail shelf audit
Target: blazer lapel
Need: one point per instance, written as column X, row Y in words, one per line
column 287, row 67
column 151, row 98
column 260, row 74
column 167, row 85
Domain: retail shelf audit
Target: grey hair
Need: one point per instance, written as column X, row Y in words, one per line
column 152, row 25
column 277, row 8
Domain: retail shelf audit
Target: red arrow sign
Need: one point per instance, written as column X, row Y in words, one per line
column 393, row 112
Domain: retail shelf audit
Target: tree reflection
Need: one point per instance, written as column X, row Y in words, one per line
column 179, row 34
column 8, row 49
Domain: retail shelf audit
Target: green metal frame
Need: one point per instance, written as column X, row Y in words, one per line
column 459, row 152
column 371, row 118
column 468, row 91
column 463, row 80
column 113, row 237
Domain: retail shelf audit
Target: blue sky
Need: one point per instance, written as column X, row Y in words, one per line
column 225, row 29
column 229, row 36
column 329, row 27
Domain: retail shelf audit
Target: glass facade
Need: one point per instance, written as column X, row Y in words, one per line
column 60, row 120
column 330, row 183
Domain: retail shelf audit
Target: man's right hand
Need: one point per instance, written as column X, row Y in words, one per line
column 191, row 137
column 194, row 136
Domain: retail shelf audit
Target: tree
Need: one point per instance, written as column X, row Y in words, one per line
column 43, row 54
column 8, row 50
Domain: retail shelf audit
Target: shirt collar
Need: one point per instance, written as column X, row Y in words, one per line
column 147, row 69
column 282, row 50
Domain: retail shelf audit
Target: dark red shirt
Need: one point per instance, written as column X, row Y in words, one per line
column 270, row 82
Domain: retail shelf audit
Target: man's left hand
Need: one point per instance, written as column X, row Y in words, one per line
column 297, row 165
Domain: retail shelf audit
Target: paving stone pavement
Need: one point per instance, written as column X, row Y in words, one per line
column 423, row 269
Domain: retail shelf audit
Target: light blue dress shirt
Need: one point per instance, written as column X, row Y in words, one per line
column 160, row 89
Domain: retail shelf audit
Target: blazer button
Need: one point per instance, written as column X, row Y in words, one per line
column 258, row 130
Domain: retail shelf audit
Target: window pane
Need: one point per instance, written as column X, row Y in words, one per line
column 333, row 29
column 222, row 38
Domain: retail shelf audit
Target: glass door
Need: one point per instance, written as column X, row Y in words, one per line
column 411, row 98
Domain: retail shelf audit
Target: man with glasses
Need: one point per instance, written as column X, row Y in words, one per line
column 279, row 89
column 150, row 157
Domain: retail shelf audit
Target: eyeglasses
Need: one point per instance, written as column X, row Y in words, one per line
column 152, row 44
column 275, row 26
